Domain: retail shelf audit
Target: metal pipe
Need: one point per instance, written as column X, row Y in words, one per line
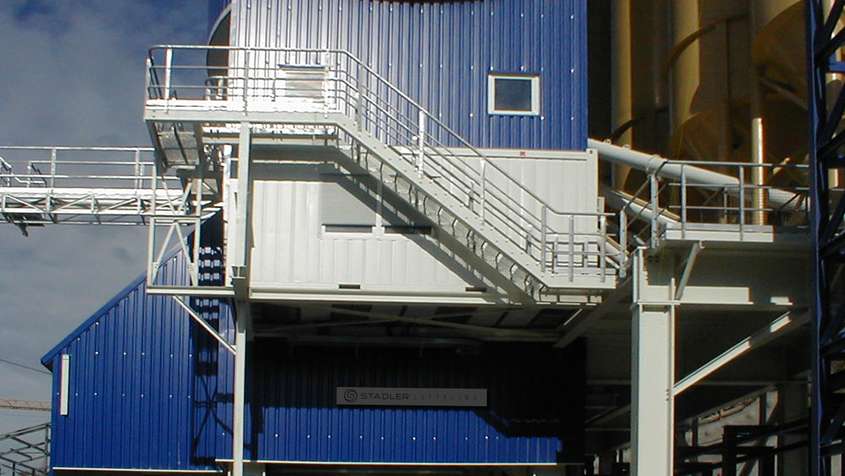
column 685, row 73
column 665, row 168
column 621, row 72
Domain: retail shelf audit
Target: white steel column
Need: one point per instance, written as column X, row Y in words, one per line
column 243, row 324
column 240, row 255
column 652, row 374
column 651, row 387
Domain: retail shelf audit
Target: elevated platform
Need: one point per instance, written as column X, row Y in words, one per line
column 481, row 212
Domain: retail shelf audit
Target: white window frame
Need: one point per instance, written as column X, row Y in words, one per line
column 535, row 94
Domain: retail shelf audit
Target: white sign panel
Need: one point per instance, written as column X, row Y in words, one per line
column 412, row 397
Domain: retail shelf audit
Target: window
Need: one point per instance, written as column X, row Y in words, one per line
column 513, row 94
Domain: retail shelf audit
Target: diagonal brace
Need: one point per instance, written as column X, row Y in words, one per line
column 780, row 326
column 199, row 320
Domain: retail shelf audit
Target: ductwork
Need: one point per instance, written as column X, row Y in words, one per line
column 649, row 164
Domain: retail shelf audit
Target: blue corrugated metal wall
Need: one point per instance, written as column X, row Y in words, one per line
column 293, row 415
column 441, row 52
column 133, row 387
column 150, row 390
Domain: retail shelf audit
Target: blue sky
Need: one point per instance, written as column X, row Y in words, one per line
column 72, row 75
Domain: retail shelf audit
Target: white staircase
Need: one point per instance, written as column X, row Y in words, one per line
column 474, row 203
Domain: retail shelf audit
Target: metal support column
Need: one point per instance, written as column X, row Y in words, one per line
column 651, row 392
column 243, row 324
column 652, row 378
column 240, row 248
column 824, row 38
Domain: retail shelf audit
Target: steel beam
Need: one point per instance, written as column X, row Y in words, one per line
column 777, row 328
column 10, row 404
column 496, row 331
column 689, row 264
column 581, row 322
column 205, row 325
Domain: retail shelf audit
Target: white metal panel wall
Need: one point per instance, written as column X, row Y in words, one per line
column 292, row 251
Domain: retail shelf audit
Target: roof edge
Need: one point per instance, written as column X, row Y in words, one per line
column 47, row 359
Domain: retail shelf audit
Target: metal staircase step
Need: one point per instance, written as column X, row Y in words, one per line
column 178, row 146
column 444, row 210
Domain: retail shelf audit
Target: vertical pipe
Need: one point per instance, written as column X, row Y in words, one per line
column 758, row 175
column 621, row 71
column 685, row 73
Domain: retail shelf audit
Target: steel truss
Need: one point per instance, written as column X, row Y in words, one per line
column 82, row 185
column 26, row 451
column 824, row 40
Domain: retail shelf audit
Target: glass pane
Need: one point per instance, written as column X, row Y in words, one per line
column 513, row 94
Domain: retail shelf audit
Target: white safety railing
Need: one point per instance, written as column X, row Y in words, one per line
column 79, row 185
column 293, row 80
column 737, row 202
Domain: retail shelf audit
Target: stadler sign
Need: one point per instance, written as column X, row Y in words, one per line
column 411, row 397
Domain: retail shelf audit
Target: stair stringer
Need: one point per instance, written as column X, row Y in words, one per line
column 452, row 217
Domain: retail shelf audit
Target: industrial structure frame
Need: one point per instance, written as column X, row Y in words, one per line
column 649, row 254
column 825, row 38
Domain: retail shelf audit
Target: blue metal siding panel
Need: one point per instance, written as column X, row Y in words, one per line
column 292, row 415
column 133, row 392
column 440, row 53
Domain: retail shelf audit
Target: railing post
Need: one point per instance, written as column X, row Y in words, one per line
column 359, row 108
column 52, row 168
column 420, row 141
column 543, row 225
column 148, row 78
column 137, row 170
column 741, row 202
column 151, row 266
column 623, row 240
column 603, row 247
column 245, row 87
column 571, row 248
column 683, row 201
column 483, row 166
column 168, row 63
column 653, row 185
